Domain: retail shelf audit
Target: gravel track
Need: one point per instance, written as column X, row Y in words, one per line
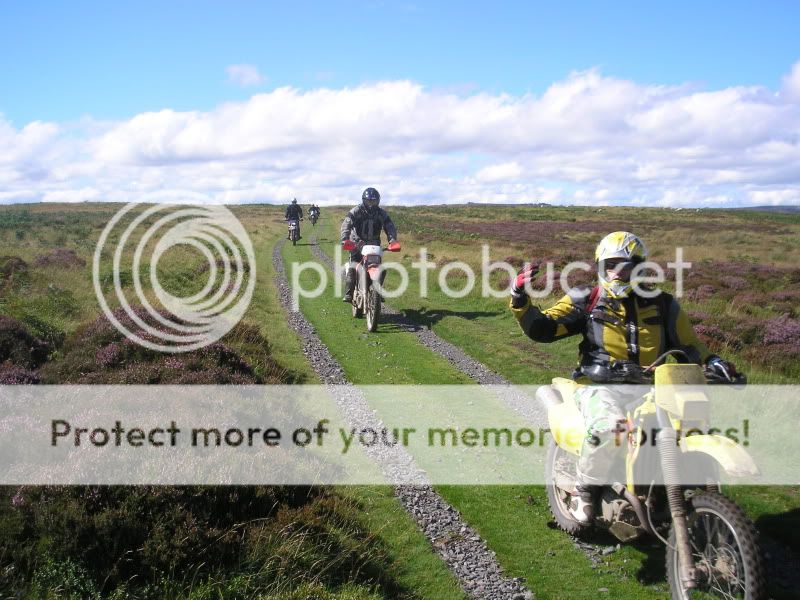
column 461, row 548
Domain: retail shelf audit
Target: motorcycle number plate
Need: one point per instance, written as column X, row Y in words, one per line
column 371, row 250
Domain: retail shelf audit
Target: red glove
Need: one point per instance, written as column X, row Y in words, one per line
column 523, row 277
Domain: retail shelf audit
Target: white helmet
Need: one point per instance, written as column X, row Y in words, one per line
column 620, row 244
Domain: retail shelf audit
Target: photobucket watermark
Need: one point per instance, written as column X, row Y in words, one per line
column 138, row 236
column 457, row 279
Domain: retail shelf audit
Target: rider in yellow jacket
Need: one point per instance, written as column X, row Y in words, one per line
column 618, row 323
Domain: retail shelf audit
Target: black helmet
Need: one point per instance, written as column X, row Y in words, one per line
column 370, row 198
column 294, row 200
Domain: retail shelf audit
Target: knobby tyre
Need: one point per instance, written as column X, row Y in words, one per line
column 373, row 309
column 561, row 471
column 726, row 552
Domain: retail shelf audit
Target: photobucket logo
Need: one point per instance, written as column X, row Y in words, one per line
column 457, row 279
column 179, row 323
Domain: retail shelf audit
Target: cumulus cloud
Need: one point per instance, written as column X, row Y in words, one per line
column 791, row 84
column 590, row 139
column 509, row 171
column 244, row 75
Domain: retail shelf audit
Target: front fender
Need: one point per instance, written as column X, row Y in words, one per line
column 730, row 455
column 374, row 273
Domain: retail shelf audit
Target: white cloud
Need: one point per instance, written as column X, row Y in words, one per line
column 82, row 195
column 509, row 171
column 791, row 84
column 244, row 75
column 589, row 138
column 775, row 197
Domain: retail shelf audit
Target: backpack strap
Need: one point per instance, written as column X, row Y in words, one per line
column 594, row 296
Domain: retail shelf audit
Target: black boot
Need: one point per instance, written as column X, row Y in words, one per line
column 349, row 285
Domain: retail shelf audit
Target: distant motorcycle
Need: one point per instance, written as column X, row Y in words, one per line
column 294, row 231
column 313, row 216
column 366, row 299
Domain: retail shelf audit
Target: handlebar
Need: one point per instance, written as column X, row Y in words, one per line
column 630, row 372
column 350, row 245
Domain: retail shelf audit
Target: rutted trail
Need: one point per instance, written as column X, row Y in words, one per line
column 459, row 546
column 522, row 404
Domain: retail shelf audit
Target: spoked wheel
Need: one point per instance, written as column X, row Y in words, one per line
column 373, row 309
column 560, row 472
column 725, row 548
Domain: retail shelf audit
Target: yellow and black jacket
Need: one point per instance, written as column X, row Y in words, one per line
column 633, row 329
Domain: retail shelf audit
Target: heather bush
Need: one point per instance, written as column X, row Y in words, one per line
column 99, row 353
column 783, row 359
column 514, row 261
column 782, row 330
column 698, row 316
column 9, row 265
column 715, row 338
column 63, row 258
column 13, row 273
column 19, row 347
column 748, row 330
column 141, row 540
column 734, row 283
column 701, row 293
column 15, row 375
column 786, row 295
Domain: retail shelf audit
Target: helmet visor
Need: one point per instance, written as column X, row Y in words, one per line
column 371, row 202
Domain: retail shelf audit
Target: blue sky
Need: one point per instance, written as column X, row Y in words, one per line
column 147, row 83
column 63, row 60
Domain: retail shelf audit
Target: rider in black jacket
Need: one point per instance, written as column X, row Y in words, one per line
column 294, row 212
column 363, row 224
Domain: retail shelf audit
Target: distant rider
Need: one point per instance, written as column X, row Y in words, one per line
column 294, row 212
column 363, row 224
column 617, row 324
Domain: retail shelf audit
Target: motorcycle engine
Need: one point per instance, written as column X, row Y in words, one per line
column 619, row 514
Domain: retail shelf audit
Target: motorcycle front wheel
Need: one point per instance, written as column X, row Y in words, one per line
column 725, row 549
column 372, row 309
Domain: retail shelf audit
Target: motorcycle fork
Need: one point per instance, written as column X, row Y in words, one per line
column 668, row 451
column 362, row 284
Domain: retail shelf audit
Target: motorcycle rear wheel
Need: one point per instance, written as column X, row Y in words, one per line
column 725, row 548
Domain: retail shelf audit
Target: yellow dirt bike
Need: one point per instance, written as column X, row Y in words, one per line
column 671, row 482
